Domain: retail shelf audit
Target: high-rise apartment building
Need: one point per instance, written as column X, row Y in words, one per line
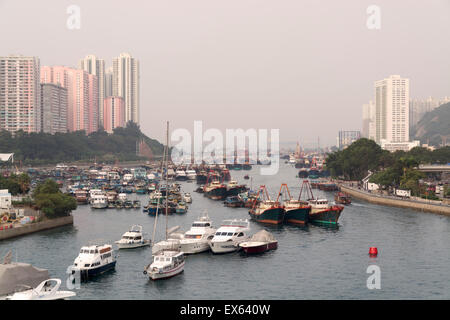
column 418, row 108
column 114, row 113
column 369, row 117
column 346, row 138
column 82, row 106
column 95, row 66
column 126, row 84
column 109, row 82
column 20, row 101
column 54, row 108
column 392, row 109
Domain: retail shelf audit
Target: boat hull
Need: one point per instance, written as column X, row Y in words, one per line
column 165, row 275
column 194, row 247
column 217, row 193
column 299, row 216
column 90, row 273
column 224, row 247
column 271, row 216
column 260, row 247
column 133, row 245
column 327, row 216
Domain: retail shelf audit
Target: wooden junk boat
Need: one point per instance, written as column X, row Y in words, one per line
column 260, row 242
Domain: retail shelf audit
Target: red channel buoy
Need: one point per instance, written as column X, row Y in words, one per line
column 373, row 251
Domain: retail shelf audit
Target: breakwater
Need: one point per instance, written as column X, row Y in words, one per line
column 35, row 227
column 411, row 204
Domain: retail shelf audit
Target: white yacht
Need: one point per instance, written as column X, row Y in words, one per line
column 197, row 238
column 187, row 198
column 133, row 239
column 191, row 174
column 165, row 264
column 230, row 234
column 171, row 243
column 99, row 201
column 47, row 290
column 94, row 260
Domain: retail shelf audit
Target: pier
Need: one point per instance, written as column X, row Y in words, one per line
column 20, row 230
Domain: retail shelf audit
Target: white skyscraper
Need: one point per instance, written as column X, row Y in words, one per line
column 126, row 84
column 20, row 94
column 95, row 66
column 392, row 109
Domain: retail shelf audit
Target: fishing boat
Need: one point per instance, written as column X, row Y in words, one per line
column 181, row 208
column 94, row 260
column 233, row 188
column 81, row 196
column 191, row 174
column 342, row 198
column 187, row 198
column 180, row 175
column 321, row 211
column 133, row 239
column 246, row 177
column 230, row 234
column 99, row 201
column 46, row 290
column 233, row 202
column 215, row 190
column 202, row 177
column 128, row 204
column 136, row 204
column 260, row 242
column 295, row 211
column 267, row 210
column 197, row 238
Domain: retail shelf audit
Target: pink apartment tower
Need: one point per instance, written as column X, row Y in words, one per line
column 82, row 93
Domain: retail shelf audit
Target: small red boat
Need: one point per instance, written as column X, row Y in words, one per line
column 342, row 198
column 260, row 242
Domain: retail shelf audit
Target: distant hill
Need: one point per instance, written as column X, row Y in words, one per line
column 434, row 127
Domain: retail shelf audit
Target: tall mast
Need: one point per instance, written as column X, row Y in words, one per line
column 167, row 180
column 158, row 200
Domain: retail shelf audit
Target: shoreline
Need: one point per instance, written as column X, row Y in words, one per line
column 392, row 202
column 35, row 227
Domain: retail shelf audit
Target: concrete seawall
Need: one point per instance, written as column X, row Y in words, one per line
column 35, row 227
column 420, row 206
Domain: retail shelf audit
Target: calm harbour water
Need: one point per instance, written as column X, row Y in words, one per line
column 312, row 262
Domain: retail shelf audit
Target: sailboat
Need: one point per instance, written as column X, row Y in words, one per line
column 168, row 260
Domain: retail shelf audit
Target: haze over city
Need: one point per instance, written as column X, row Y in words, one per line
column 305, row 68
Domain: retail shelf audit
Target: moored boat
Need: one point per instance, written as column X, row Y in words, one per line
column 342, row 198
column 230, row 234
column 165, row 264
column 266, row 210
column 260, row 242
column 94, row 260
column 197, row 238
column 295, row 211
column 133, row 239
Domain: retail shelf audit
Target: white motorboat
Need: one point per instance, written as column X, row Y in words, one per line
column 94, row 260
column 99, row 201
column 165, row 264
column 230, row 234
column 47, row 290
column 197, row 238
column 187, row 198
column 191, row 174
column 133, row 239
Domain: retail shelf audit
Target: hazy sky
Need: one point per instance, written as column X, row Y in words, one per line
column 305, row 67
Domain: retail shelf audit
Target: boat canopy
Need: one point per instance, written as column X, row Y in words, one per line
column 262, row 236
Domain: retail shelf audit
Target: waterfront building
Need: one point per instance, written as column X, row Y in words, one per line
column 346, row 138
column 20, row 102
column 114, row 113
column 82, row 92
column 392, row 109
column 95, row 66
column 5, row 199
column 54, row 108
column 126, row 84
column 399, row 146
